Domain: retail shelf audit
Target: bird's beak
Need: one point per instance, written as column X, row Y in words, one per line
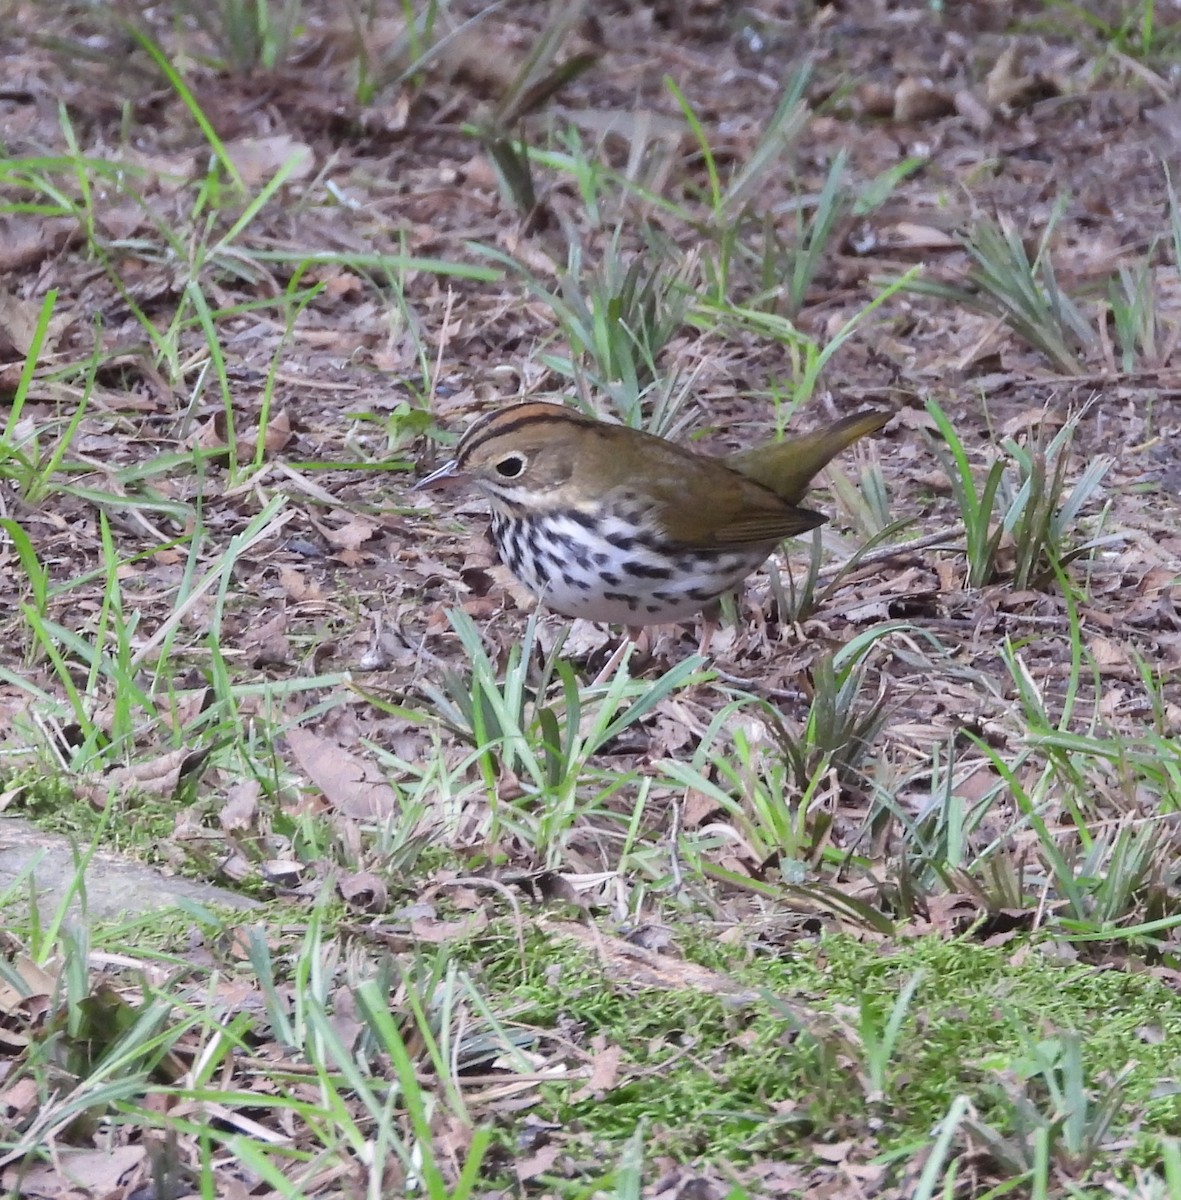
column 446, row 475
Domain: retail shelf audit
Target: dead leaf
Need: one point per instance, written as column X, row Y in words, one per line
column 257, row 159
column 168, row 172
column 1005, row 84
column 240, row 811
column 214, row 434
column 973, row 110
column 365, row 891
column 1029, row 419
column 833, row 1152
column 1107, row 653
column 18, row 326
column 540, row 1162
column 921, row 100
column 94, row 1173
column 637, row 967
column 298, row 585
column 283, row 872
column 876, row 99
column 352, row 785
column 25, row 241
column 268, row 645
column 160, row 776
column 439, row 933
column 352, row 535
column 912, row 236
column 604, row 1071
column 344, row 1017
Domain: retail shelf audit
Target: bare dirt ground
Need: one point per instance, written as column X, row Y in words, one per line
column 1065, row 125
column 1021, row 112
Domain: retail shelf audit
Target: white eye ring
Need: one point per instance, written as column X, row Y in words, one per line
column 511, row 466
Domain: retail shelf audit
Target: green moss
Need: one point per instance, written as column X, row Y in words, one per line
column 716, row 1078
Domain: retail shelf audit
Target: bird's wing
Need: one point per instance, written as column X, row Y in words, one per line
column 698, row 501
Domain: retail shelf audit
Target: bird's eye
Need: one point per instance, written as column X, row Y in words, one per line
column 510, row 466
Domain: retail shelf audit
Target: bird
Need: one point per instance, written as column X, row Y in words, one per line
column 620, row 526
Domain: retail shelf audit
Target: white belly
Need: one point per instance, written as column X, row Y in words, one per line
column 613, row 575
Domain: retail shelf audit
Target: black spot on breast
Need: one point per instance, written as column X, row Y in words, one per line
column 510, row 551
column 622, row 598
column 610, row 579
column 640, row 570
column 643, row 539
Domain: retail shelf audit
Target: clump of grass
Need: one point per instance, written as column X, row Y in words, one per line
column 1023, row 291
column 773, row 776
column 383, row 1041
column 539, row 78
column 249, row 35
column 1020, row 522
column 540, row 728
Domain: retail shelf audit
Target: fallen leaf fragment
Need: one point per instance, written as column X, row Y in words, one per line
column 604, row 1071
column 268, row 644
column 240, row 810
column 364, row 890
column 160, row 776
column 257, row 159
column 78, row 1173
column 920, row 100
column 541, row 1162
column 348, row 782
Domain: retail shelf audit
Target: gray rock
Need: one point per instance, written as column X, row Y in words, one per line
column 113, row 885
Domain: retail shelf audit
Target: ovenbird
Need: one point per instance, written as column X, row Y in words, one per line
column 613, row 524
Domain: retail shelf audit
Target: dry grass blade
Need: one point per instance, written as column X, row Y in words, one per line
column 1023, row 291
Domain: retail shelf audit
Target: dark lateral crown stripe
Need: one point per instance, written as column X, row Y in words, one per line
column 510, row 420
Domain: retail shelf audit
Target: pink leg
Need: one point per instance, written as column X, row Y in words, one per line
column 632, row 638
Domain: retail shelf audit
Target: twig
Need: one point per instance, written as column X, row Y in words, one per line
column 885, row 553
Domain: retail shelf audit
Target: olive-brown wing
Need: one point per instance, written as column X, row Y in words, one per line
column 699, row 501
